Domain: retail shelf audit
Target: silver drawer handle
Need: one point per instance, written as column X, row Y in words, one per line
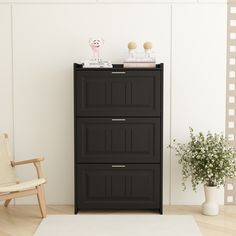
column 118, row 72
column 118, row 119
column 118, row 166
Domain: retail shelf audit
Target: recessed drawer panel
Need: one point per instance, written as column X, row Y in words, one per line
column 118, row 186
column 103, row 93
column 108, row 140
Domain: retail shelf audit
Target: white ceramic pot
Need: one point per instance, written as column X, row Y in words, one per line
column 210, row 207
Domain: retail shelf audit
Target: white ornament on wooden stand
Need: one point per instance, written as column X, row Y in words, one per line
column 132, row 49
column 147, row 47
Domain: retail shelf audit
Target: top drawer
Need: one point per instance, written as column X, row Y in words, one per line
column 118, row 93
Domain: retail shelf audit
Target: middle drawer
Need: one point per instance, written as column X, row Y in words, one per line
column 119, row 140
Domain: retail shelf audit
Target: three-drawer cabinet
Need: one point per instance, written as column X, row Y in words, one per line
column 118, row 117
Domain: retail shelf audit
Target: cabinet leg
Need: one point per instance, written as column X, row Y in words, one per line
column 76, row 210
column 161, row 211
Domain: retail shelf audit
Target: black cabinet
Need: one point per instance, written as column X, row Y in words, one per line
column 106, row 93
column 108, row 140
column 118, row 186
column 118, row 138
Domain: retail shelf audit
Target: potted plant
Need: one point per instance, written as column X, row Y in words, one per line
column 207, row 159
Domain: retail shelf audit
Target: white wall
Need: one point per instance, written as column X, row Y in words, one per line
column 49, row 36
column 198, row 80
column 6, row 109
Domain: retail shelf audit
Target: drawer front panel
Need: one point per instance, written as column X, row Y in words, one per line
column 108, row 140
column 103, row 93
column 118, row 186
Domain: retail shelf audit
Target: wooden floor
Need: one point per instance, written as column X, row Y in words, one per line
column 24, row 220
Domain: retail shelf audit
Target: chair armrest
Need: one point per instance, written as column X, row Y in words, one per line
column 16, row 163
column 35, row 161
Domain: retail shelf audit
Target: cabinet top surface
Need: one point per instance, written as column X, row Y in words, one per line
column 118, row 67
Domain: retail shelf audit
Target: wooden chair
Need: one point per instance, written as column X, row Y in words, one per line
column 9, row 186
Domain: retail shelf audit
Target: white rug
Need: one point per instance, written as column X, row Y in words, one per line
column 118, row 225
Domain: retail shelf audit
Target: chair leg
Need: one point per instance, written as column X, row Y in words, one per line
column 41, row 200
column 7, row 202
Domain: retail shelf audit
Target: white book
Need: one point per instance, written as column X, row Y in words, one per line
column 97, row 64
column 139, row 64
column 141, row 59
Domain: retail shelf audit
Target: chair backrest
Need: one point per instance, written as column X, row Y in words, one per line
column 7, row 172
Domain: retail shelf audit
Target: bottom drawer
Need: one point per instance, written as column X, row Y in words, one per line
column 118, row 186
